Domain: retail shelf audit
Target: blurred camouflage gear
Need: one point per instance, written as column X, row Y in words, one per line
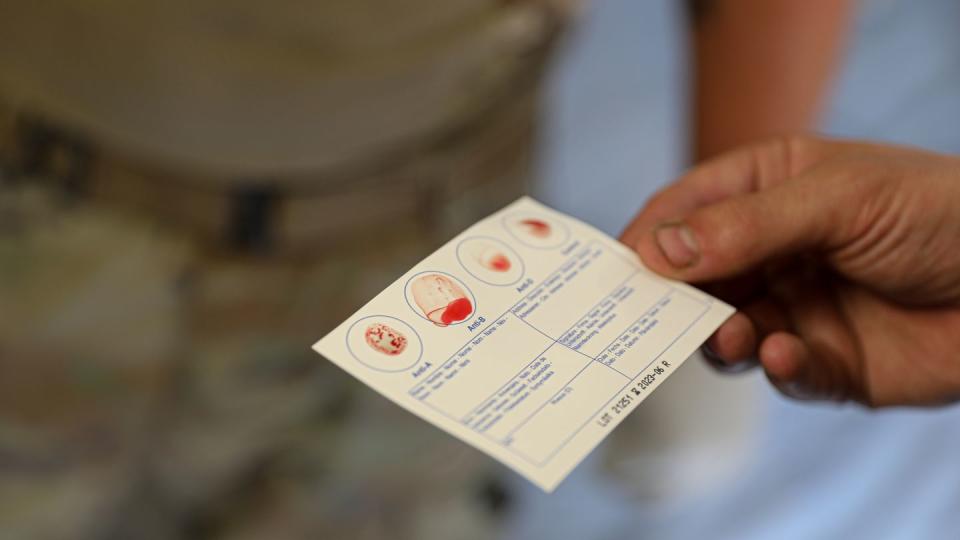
column 159, row 292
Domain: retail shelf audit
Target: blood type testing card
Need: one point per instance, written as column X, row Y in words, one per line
column 531, row 335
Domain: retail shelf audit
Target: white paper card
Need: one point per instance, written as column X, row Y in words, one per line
column 531, row 335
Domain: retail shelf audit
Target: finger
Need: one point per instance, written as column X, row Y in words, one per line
column 830, row 368
column 793, row 367
column 734, row 236
column 735, row 341
column 767, row 316
column 742, row 171
column 724, row 366
column 785, row 359
column 738, row 291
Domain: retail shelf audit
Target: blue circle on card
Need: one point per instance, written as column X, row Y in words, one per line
column 412, row 304
column 473, row 266
column 373, row 358
column 536, row 230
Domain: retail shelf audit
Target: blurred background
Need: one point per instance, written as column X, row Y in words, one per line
column 191, row 193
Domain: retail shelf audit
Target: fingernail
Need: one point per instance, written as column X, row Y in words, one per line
column 798, row 391
column 723, row 365
column 677, row 244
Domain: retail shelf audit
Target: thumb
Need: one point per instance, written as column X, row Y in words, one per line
column 732, row 236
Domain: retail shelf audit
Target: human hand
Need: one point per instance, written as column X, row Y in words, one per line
column 843, row 258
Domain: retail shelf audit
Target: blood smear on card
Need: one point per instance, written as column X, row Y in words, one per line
column 492, row 259
column 384, row 339
column 536, row 227
column 456, row 311
column 441, row 300
column 499, row 262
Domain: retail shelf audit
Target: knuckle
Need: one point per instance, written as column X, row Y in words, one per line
column 729, row 233
column 783, row 157
column 738, row 230
column 798, row 151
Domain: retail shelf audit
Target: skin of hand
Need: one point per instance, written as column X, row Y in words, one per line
column 843, row 259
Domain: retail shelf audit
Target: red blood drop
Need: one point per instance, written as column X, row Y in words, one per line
column 500, row 263
column 458, row 310
column 537, row 227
